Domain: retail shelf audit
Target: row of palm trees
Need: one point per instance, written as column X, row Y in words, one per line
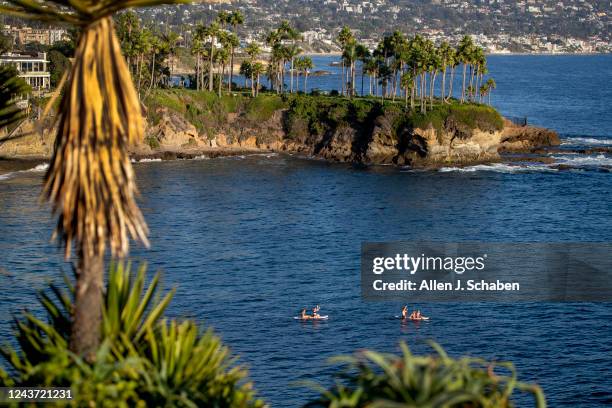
column 412, row 66
column 150, row 55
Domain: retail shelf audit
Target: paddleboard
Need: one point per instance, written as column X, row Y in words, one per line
column 319, row 318
column 414, row 320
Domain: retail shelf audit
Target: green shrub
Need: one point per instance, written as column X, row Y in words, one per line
column 152, row 142
column 144, row 360
column 262, row 107
column 371, row 379
column 470, row 116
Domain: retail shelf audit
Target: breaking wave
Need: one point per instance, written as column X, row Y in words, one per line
column 37, row 169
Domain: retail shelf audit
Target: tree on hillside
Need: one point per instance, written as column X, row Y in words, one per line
column 465, row 52
column 257, row 70
column 253, row 50
column 90, row 181
column 345, row 36
column 304, row 65
column 235, row 19
column 211, row 33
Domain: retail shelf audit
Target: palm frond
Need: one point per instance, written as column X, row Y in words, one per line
column 10, row 86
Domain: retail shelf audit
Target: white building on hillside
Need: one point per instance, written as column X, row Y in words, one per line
column 32, row 68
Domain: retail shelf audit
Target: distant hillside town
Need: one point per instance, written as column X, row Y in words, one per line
column 500, row 26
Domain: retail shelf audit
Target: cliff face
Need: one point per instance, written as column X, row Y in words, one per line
column 384, row 142
column 341, row 130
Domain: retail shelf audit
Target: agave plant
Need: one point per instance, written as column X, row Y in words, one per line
column 90, row 181
column 379, row 380
column 10, row 86
column 144, row 360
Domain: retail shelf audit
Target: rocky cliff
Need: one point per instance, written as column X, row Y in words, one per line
column 364, row 132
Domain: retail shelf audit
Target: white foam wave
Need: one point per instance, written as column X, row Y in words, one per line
column 36, row 169
column 588, row 141
column 580, row 160
column 148, row 160
column 498, row 168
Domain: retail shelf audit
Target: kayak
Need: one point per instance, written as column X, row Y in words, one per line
column 318, row 318
column 413, row 319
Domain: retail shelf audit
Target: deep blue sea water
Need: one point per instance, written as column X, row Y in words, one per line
column 249, row 240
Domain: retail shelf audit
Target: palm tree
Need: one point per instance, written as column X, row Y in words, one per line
column 274, row 40
column 257, row 69
column 464, row 56
column 292, row 51
column 171, row 40
column 246, row 69
column 197, row 49
column 222, row 59
column 127, row 26
column 452, row 63
column 371, row 68
column 349, row 57
column 490, row 84
column 212, row 33
column 445, row 53
column 155, row 47
column 142, row 48
column 344, row 37
column 90, row 180
column 407, row 83
column 253, row 50
column 363, row 54
column 435, row 64
column 235, row 19
column 286, row 32
column 306, row 65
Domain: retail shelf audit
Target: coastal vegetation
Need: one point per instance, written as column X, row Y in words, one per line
column 371, row 379
column 108, row 339
column 143, row 359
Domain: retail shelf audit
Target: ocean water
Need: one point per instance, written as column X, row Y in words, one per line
column 250, row 240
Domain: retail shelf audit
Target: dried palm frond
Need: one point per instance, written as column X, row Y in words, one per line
column 90, row 181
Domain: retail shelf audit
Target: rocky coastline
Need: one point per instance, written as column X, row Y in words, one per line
column 381, row 141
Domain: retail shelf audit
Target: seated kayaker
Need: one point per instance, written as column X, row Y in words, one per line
column 418, row 315
column 304, row 315
column 405, row 312
column 315, row 312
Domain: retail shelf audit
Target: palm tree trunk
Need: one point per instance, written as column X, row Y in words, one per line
column 87, row 319
column 452, row 79
column 140, row 73
column 231, row 71
column 305, row 81
column 342, row 76
column 362, row 79
column 433, row 86
column 152, row 73
column 221, row 79
column 210, row 68
column 463, row 87
column 291, row 77
column 443, row 95
column 252, row 84
column 412, row 93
